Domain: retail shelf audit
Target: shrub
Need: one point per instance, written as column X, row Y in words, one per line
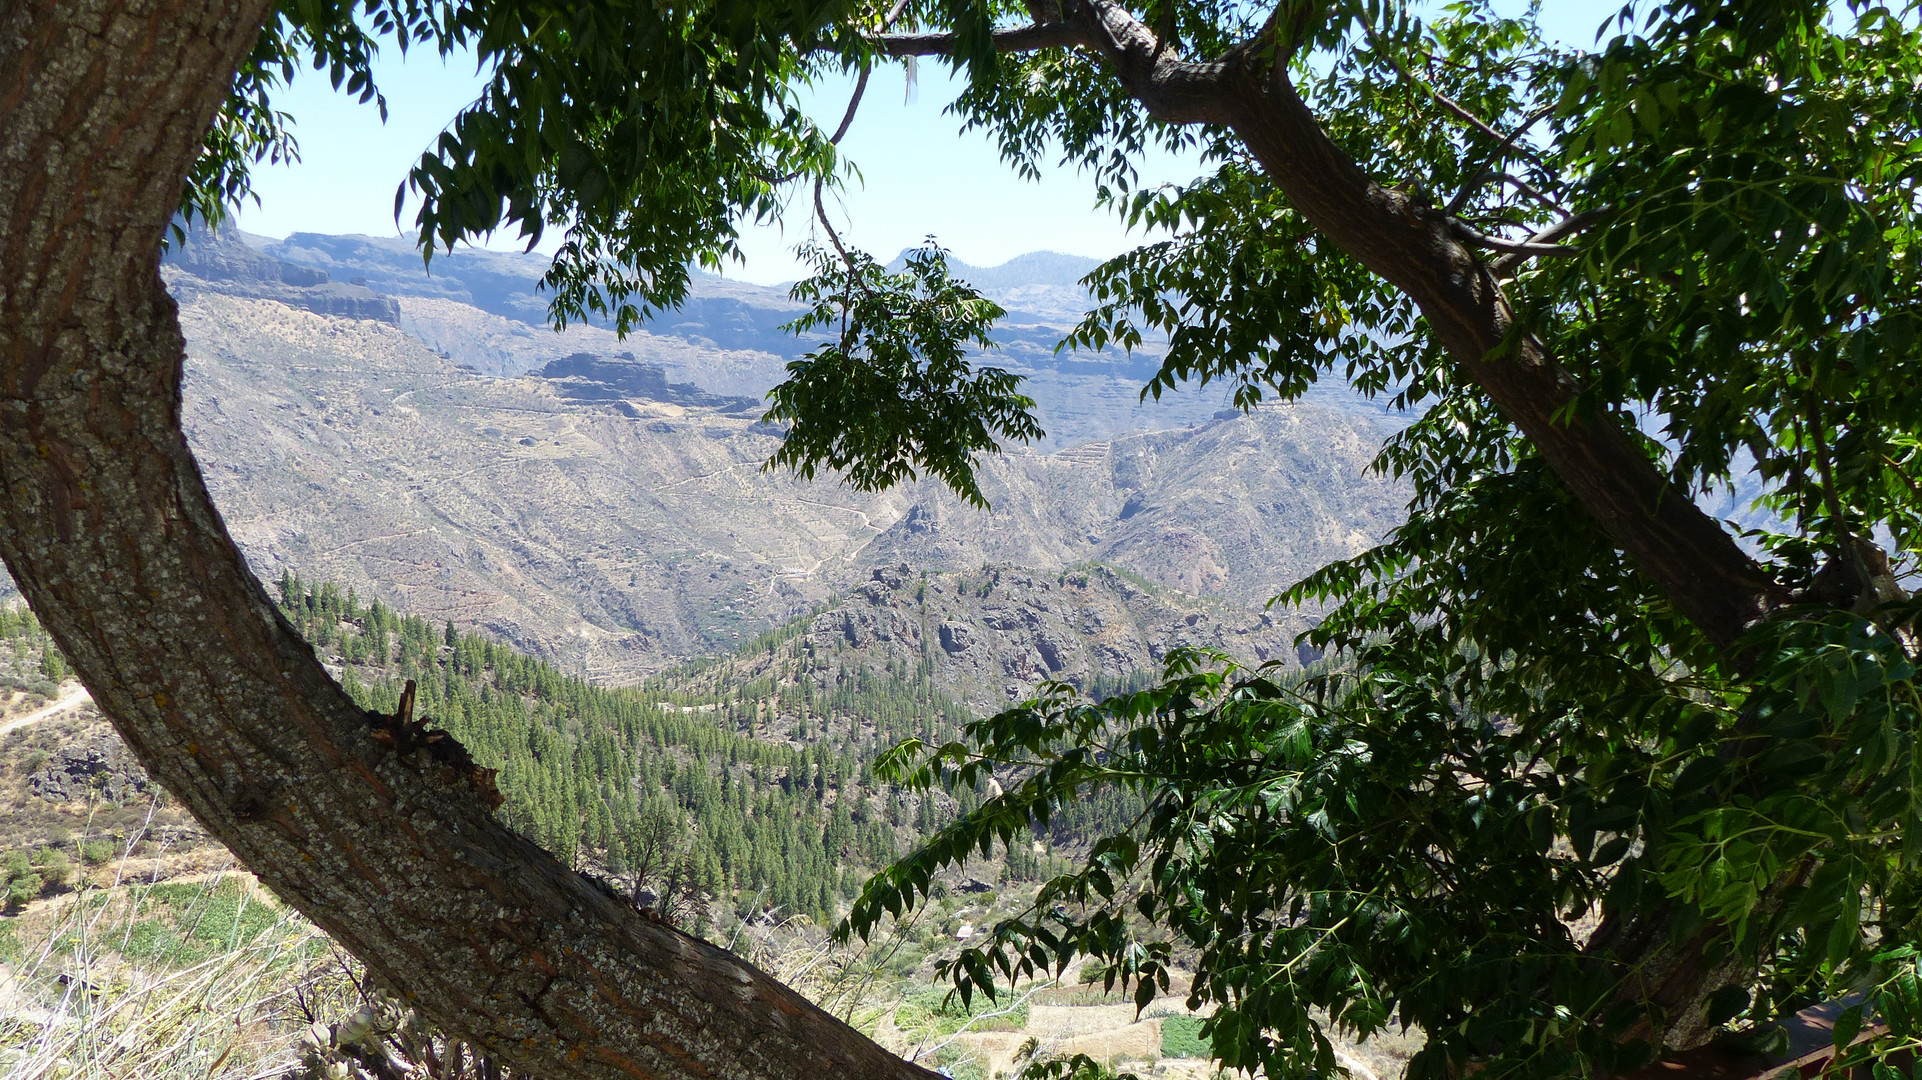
column 95, row 852
column 23, row 889
column 1181, row 1038
column 148, row 939
column 53, row 865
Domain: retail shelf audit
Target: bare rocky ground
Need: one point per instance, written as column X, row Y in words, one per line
column 68, row 780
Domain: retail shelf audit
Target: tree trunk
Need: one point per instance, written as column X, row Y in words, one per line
column 1688, row 554
column 111, row 535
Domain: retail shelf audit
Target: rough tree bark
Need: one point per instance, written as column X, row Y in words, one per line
column 110, row 534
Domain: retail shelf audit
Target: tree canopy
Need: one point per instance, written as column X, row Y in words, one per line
column 1550, row 803
column 1588, row 774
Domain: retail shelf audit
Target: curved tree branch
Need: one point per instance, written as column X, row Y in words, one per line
column 1173, row 90
column 1690, row 557
column 1471, row 235
column 1053, row 35
column 1552, row 235
column 109, row 531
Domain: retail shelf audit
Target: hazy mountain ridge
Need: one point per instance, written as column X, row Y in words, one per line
column 222, row 263
column 619, row 536
column 720, row 313
column 491, row 344
column 484, row 309
column 586, row 377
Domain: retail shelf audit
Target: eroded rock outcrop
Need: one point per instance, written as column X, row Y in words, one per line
column 993, row 634
column 220, row 262
column 95, row 765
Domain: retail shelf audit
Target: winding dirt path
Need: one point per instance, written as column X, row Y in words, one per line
column 72, row 699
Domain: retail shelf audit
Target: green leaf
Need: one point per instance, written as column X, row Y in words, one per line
column 894, row 395
column 1847, row 1026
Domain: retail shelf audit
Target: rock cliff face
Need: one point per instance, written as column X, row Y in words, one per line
column 992, row 635
column 96, row 765
column 719, row 314
column 586, row 377
column 211, row 261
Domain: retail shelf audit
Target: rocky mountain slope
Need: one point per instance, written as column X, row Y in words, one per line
column 601, row 502
column 625, row 533
column 990, row 636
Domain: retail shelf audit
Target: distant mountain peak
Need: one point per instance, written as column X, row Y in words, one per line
column 1043, row 268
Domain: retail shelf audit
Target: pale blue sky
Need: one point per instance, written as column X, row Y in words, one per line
column 920, row 174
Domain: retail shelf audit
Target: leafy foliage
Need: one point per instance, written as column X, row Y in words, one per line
column 1522, row 752
column 1767, row 264
column 895, row 394
column 642, row 131
column 1361, row 842
column 339, row 38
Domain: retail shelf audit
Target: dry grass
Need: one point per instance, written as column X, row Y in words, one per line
column 210, row 980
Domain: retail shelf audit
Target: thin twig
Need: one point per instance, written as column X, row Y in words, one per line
column 1494, row 156
column 1521, row 129
column 821, row 215
column 1529, row 247
column 1441, row 99
column 1548, row 236
column 900, row 930
column 861, row 83
column 854, row 103
column 860, row 88
column 1903, row 476
column 1525, row 188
